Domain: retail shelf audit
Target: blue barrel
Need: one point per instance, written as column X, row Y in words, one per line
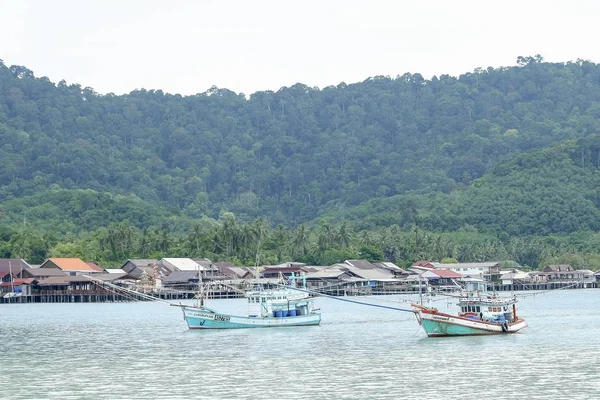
column 292, row 313
column 279, row 314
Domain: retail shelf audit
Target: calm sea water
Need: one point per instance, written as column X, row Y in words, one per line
column 145, row 351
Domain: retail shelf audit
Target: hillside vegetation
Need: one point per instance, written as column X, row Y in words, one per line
column 497, row 155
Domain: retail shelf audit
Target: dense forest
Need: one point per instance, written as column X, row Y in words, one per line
column 496, row 164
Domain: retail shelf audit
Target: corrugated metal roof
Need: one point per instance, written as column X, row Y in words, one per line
column 330, row 273
column 183, row 264
column 283, row 269
column 109, row 277
column 390, row 266
column 115, row 271
column 62, row 280
column 437, row 265
column 362, row 264
column 228, row 269
column 14, row 264
column 203, row 262
column 39, row 272
column 142, row 262
column 181, row 277
column 372, row 274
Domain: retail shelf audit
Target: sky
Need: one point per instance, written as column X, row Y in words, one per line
column 188, row 46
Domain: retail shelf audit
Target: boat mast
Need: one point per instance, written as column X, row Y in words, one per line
column 12, row 278
column 200, row 289
column 420, row 291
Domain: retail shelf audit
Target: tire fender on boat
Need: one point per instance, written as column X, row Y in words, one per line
column 505, row 326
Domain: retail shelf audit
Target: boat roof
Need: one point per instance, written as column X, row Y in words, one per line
column 274, row 292
column 487, row 300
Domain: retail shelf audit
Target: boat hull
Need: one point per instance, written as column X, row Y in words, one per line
column 208, row 319
column 439, row 324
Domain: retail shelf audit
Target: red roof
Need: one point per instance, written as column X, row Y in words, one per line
column 446, row 273
column 95, row 267
column 423, row 264
column 18, row 281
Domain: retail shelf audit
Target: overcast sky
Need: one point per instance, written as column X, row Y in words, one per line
column 187, row 46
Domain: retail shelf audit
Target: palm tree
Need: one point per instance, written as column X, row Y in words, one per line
column 165, row 241
column 326, row 238
column 194, row 239
column 300, row 242
column 145, row 243
column 245, row 241
column 22, row 244
column 344, row 236
column 111, row 240
column 261, row 232
column 280, row 239
column 366, row 238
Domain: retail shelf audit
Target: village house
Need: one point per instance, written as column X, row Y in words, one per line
column 562, row 273
column 68, row 284
column 12, row 265
column 489, row 271
column 6, row 276
column 228, row 271
column 16, row 286
column 41, row 273
column 396, row 271
column 70, row 266
column 328, row 276
column 285, row 271
column 510, row 277
column 442, row 277
column 148, row 267
column 181, row 280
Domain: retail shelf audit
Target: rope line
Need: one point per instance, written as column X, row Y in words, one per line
column 347, row 300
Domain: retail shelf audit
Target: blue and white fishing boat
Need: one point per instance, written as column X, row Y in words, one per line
column 283, row 306
column 479, row 314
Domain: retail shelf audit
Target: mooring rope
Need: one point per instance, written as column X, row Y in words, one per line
column 362, row 303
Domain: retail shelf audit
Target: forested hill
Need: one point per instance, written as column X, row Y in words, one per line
column 303, row 153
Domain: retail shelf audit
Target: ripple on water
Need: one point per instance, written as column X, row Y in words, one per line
column 144, row 351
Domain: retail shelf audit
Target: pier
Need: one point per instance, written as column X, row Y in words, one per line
column 102, row 296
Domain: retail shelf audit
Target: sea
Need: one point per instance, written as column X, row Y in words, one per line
column 144, row 350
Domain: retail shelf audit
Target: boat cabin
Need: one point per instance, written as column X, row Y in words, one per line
column 488, row 309
column 278, row 303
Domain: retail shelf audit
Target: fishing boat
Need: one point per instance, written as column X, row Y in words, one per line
column 283, row 306
column 479, row 314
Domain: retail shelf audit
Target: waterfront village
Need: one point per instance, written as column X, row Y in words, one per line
column 73, row 280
